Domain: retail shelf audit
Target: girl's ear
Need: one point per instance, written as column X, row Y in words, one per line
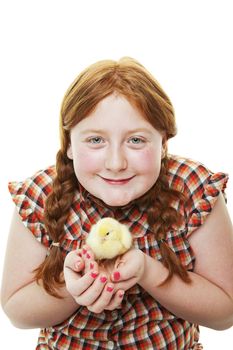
column 69, row 152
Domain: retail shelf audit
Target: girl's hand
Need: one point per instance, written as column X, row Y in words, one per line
column 129, row 269
column 92, row 288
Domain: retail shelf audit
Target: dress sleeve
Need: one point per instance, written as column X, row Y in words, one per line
column 204, row 188
column 29, row 197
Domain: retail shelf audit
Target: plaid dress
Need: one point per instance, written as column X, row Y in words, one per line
column 142, row 322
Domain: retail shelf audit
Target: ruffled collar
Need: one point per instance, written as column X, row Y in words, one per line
column 133, row 210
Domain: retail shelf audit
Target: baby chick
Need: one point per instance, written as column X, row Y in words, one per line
column 108, row 239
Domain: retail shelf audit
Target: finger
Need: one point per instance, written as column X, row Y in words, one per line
column 89, row 262
column 87, row 253
column 77, row 284
column 123, row 271
column 74, row 261
column 88, row 258
column 104, row 299
column 93, row 292
column 91, row 266
column 124, row 277
column 116, row 301
column 125, row 285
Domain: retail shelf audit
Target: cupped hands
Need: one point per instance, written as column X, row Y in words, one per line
column 101, row 285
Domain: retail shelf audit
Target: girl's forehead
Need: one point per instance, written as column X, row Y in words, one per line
column 114, row 109
column 115, row 117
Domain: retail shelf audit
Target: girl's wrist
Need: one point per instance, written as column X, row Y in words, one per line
column 142, row 270
column 154, row 272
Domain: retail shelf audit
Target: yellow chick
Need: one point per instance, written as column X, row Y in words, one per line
column 108, row 238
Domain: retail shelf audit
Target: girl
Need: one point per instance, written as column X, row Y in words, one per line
column 113, row 161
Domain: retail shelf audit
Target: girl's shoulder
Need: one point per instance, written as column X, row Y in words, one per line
column 189, row 176
column 182, row 166
column 35, row 187
column 29, row 197
column 200, row 186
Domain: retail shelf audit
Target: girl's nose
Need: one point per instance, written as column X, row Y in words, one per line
column 115, row 159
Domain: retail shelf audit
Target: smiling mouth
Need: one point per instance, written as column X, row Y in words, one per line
column 117, row 181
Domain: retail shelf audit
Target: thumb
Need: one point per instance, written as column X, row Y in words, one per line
column 74, row 261
column 78, row 264
column 123, row 272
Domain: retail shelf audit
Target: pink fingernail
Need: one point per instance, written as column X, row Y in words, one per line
column 91, row 266
column 103, row 279
column 109, row 289
column 94, row 274
column 88, row 256
column 116, row 275
column 121, row 295
column 84, row 251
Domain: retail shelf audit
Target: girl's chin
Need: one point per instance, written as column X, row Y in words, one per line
column 116, row 202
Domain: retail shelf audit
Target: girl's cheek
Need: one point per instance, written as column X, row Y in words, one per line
column 89, row 161
column 146, row 159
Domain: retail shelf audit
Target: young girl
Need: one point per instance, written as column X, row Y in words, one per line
column 113, row 162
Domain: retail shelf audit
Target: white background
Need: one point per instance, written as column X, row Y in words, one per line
column 187, row 45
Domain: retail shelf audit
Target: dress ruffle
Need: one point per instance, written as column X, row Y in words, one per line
column 29, row 197
column 202, row 207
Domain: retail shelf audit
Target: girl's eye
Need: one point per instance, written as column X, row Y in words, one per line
column 95, row 140
column 136, row 140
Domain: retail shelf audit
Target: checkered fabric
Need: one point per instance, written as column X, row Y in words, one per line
column 141, row 323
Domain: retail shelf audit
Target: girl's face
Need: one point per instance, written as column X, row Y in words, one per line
column 116, row 153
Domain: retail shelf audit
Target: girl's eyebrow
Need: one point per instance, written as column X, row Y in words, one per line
column 101, row 131
column 135, row 131
column 92, row 131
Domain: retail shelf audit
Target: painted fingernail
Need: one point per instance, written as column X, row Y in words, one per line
column 94, row 274
column 84, row 251
column 116, row 275
column 103, row 279
column 91, row 266
column 88, row 256
column 109, row 289
column 121, row 295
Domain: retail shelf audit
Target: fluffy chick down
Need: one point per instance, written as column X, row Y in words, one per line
column 108, row 238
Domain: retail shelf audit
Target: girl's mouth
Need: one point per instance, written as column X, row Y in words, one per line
column 117, row 181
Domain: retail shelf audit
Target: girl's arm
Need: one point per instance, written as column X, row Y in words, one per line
column 208, row 300
column 24, row 301
column 28, row 305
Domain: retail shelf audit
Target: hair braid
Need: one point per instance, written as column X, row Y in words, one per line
column 161, row 217
column 56, row 210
